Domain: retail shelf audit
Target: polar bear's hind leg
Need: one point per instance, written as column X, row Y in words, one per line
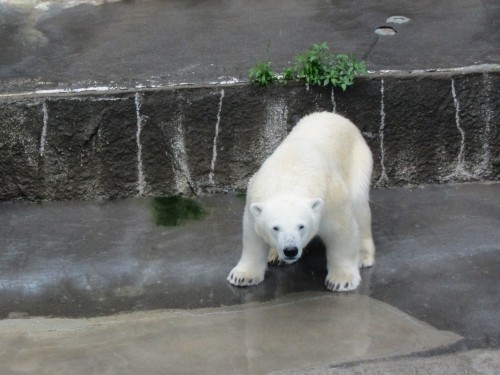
column 367, row 250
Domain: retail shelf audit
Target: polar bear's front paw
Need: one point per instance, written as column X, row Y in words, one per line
column 273, row 258
column 242, row 277
column 342, row 281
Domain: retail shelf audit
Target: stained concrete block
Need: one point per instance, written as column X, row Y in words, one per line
column 177, row 137
column 90, row 148
column 303, row 99
column 474, row 96
column 493, row 82
column 202, row 118
column 421, row 140
column 21, row 124
column 157, row 109
column 253, row 123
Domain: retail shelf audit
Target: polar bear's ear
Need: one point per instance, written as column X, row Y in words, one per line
column 256, row 209
column 316, row 204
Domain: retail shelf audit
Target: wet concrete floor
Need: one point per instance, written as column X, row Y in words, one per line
column 434, row 288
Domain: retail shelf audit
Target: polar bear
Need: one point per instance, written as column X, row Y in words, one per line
column 316, row 182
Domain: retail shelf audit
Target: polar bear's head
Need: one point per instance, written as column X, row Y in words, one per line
column 287, row 224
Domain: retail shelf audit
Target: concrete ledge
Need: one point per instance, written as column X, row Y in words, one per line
column 189, row 341
column 423, row 128
column 474, row 362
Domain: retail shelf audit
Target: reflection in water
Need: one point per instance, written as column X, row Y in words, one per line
column 314, row 329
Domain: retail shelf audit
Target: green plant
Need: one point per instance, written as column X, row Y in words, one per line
column 313, row 64
column 261, row 74
column 288, row 74
column 343, row 71
column 317, row 66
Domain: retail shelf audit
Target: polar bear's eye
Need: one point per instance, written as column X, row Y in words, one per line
column 301, row 226
column 276, row 228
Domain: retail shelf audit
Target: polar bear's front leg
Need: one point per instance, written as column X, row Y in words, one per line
column 252, row 266
column 342, row 252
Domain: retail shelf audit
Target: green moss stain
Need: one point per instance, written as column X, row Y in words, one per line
column 173, row 211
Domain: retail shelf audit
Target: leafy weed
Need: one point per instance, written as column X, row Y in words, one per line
column 317, row 66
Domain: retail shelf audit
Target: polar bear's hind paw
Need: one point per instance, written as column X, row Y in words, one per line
column 366, row 260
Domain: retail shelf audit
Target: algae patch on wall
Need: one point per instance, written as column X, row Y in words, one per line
column 174, row 211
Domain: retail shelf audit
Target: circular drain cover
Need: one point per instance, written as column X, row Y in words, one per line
column 385, row 30
column 398, row 19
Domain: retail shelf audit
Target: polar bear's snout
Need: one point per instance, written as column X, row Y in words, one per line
column 289, row 246
column 290, row 252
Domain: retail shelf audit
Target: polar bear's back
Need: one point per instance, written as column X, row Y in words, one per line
column 332, row 134
column 321, row 150
column 341, row 142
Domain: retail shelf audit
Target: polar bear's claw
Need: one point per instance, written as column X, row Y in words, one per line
column 241, row 278
column 342, row 284
column 273, row 258
column 337, row 287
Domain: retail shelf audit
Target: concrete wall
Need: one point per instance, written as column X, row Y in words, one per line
column 428, row 128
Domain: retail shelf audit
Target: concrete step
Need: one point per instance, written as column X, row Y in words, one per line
column 427, row 128
column 297, row 332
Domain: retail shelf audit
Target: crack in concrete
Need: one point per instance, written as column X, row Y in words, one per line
column 43, row 137
column 383, row 174
column 334, row 103
column 141, row 182
column 459, row 171
column 457, row 123
column 216, row 137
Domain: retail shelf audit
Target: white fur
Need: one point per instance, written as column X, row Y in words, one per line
column 315, row 183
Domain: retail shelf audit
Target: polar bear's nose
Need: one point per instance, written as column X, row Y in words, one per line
column 290, row 252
